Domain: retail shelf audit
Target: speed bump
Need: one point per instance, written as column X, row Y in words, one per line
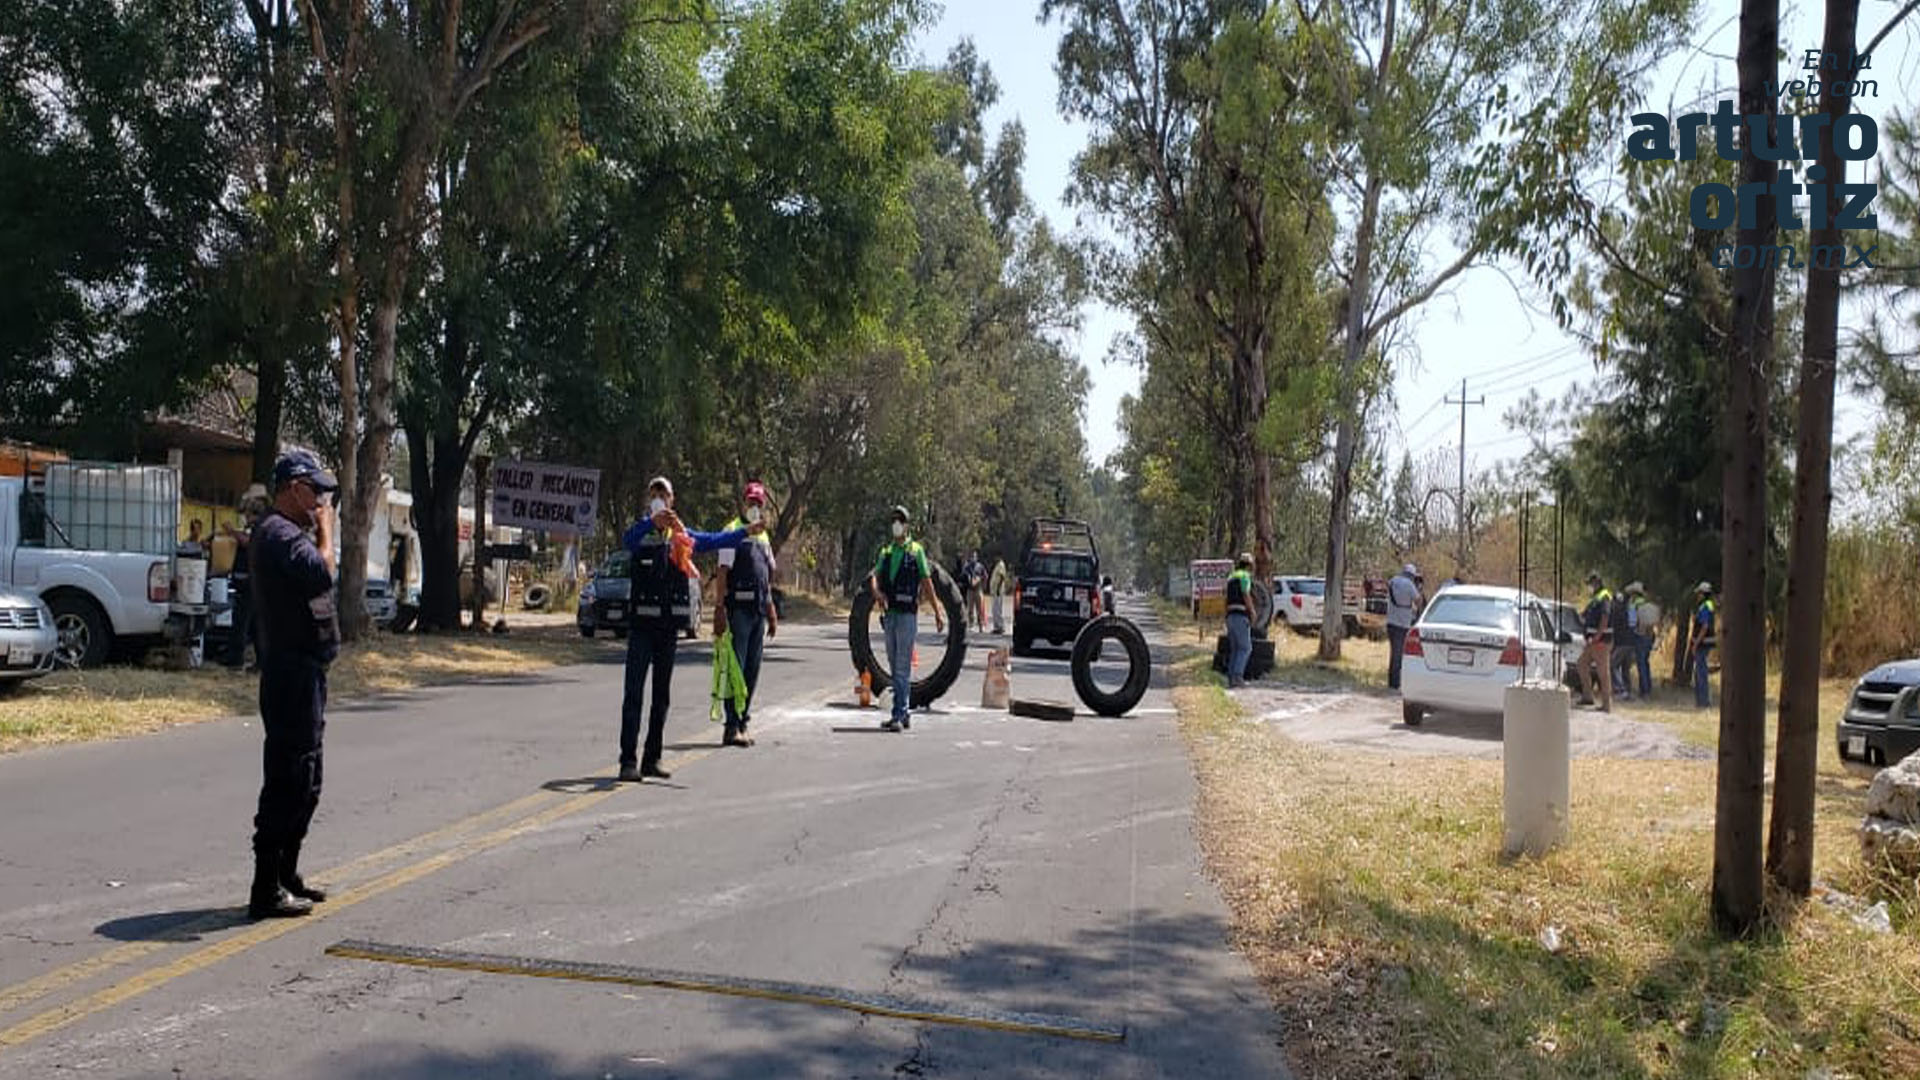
column 905, row 1008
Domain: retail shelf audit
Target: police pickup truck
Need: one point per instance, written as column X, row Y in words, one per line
column 1058, row 587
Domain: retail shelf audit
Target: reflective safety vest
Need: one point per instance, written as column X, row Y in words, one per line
column 1705, row 619
column 750, row 578
column 898, row 570
column 1239, row 591
column 659, row 588
column 1601, row 601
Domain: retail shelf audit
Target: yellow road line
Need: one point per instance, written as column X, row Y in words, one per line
column 1065, row 1027
column 40, row 986
column 61, row 1016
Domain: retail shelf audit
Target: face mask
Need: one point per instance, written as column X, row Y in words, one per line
column 899, row 529
column 753, row 515
column 656, row 506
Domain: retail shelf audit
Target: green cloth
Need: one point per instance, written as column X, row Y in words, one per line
column 729, row 683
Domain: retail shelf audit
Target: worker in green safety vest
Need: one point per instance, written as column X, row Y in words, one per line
column 901, row 578
column 1239, row 620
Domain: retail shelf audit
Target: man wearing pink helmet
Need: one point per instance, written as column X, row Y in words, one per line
column 745, row 604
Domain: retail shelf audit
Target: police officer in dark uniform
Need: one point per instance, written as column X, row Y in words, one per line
column 745, row 608
column 298, row 635
column 662, row 602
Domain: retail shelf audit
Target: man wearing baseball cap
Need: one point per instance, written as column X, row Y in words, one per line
column 902, row 578
column 298, row 635
column 1403, row 601
column 745, row 605
column 1700, row 642
column 662, row 597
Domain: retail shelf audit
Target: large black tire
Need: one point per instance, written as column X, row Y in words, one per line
column 1139, row 665
column 1262, row 599
column 929, row 689
column 537, row 596
column 86, row 638
column 1258, row 663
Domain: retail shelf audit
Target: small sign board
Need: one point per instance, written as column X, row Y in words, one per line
column 549, row 498
column 1209, row 577
column 510, row 552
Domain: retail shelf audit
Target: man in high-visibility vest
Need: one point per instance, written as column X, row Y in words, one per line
column 1239, row 620
column 744, row 604
column 901, row 578
column 1701, row 641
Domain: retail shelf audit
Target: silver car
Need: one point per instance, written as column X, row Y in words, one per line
column 27, row 637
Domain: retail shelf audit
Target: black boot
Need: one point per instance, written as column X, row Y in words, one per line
column 268, row 900
column 290, row 876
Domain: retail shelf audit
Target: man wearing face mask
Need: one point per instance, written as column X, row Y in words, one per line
column 297, row 637
column 744, row 605
column 662, row 600
column 901, row 578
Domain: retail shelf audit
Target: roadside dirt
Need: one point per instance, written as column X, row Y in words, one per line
column 1372, row 722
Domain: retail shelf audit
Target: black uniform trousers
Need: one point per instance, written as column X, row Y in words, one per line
column 293, row 702
column 651, row 643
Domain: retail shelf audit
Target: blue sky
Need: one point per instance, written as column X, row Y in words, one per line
column 1481, row 325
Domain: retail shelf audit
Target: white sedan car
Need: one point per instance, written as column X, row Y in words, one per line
column 1470, row 644
column 27, row 637
column 1299, row 602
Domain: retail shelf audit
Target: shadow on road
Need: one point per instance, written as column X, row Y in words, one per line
column 188, row 925
column 582, row 785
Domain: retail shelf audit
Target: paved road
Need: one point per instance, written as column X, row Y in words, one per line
column 981, row 864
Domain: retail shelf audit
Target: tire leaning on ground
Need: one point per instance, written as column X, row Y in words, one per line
column 1086, row 648
column 930, row 689
column 537, row 596
column 86, row 639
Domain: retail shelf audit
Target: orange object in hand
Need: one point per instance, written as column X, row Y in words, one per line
column 680, row 551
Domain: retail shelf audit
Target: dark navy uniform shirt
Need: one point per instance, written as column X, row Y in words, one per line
column 292, row 594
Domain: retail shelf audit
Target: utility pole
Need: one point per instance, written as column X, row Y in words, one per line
column 1461, row 502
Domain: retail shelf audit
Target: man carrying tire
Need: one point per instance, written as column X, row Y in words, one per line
column 744, row 606
column 901, row 578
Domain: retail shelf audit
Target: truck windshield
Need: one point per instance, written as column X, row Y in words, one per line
column 1060, row 565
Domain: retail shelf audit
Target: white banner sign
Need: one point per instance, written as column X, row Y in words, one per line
column 552, row 498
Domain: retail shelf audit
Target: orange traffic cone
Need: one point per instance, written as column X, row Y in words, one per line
column 865, row 689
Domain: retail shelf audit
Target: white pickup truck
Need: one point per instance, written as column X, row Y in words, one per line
column 97, row 543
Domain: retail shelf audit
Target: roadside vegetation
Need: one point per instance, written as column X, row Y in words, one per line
column 1369, row 892
column 115, row 702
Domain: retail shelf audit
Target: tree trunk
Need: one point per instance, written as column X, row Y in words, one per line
column 270, row 380
column 1738, row 902
column 1347, row 439
column 1796, row 761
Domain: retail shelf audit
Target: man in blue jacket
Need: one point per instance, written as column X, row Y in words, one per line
column 662, row 602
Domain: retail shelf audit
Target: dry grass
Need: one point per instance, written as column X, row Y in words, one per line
column 1370, row 894
column 78, row 706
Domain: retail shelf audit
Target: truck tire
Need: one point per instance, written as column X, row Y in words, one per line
column 1411, row 714
column 941, row 679
column 86, row 638
column 1139, row 665
column 1259, row 662
column 536, row 596
column 1262, row 600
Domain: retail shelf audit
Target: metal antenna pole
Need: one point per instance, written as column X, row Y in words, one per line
column 1462, row 500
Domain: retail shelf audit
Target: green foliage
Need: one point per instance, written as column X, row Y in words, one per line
column 116, row 140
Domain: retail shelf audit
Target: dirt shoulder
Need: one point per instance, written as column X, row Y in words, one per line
column 1369, row 892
